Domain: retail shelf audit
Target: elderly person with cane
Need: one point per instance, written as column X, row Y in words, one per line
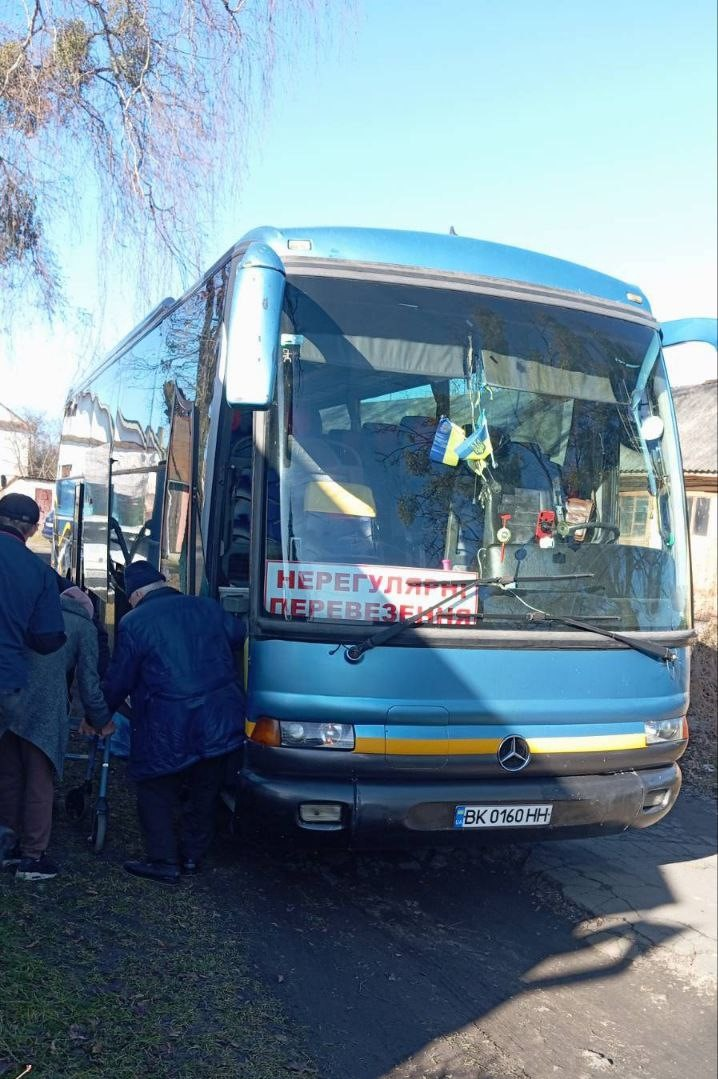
column 30, row 622
column 43, row 722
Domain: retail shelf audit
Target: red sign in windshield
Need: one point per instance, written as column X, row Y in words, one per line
column 357, row 593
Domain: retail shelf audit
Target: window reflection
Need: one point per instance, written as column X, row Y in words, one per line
column 129, row 438
column 85, row 458
column 178, row 493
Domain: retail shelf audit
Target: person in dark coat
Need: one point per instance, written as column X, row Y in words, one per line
column 30, row 621
column 30, row 616
column 174, row 657
column 43, row 721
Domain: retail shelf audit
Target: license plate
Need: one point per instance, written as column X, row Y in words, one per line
column 519, row 816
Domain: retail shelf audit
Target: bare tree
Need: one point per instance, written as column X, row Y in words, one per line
column 38, row 446
column 147, row 103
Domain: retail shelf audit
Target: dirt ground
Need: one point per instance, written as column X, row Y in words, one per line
column 699, row 761
column 104, row 976
column 108, row 977
column 268, row 966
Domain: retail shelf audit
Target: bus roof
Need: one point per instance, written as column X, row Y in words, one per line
column 444, row 253
column 447, row 253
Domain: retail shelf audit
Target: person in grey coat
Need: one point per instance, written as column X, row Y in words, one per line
column 43, row 720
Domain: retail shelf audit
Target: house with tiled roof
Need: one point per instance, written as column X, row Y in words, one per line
column 697, row 413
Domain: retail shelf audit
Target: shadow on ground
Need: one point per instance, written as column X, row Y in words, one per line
column 469, row 965
column 450, row 965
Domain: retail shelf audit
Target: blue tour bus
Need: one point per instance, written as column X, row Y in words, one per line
column 441, row 478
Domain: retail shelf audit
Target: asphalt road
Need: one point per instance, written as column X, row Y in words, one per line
column 562, row 960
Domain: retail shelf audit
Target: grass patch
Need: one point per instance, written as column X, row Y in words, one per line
column 104, row 975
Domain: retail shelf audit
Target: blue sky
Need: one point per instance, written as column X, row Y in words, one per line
column 585, row 130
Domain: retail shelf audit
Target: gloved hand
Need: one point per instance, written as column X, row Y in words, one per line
column 88, row 729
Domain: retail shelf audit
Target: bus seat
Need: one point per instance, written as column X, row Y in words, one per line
column 427, row 487
column 410, row 490
column 348, row 445
column 332, row 516
column 420, row 428
column 381, row 446
column 327, row 474
column 306, row 422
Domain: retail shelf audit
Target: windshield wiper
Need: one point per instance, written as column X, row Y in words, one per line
column 354, row 652
column 655, row 651
column 502, row 582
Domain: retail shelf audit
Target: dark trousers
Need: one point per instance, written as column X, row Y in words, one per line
column 191, row 796
column 26, row 793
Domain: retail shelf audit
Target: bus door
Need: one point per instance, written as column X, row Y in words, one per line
column 234, row 545
column 65, row 530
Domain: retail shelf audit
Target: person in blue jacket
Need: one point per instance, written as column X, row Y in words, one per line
column 174, row 657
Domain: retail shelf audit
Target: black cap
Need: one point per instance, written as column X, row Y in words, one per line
column 20, row 508
column 139, row 574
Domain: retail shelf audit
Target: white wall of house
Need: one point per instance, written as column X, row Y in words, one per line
column 14, row 445
column 703, row 529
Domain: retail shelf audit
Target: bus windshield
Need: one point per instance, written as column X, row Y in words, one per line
column 421, row 434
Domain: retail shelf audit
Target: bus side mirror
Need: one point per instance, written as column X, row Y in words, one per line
column 253, row 328
column 684, row 331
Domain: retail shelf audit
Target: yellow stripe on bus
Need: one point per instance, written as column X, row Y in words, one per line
column 590, row 743
column 466, row 747
column 370, row 745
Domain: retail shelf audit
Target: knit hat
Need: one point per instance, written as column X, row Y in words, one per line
column 81, row 598
column 20, row 508
column 139, row 574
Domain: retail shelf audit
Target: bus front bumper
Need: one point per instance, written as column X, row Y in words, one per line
column 374, row 814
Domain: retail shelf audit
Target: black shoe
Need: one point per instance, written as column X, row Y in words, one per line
column 190, row 867
column 36, row 869
column 164, row 872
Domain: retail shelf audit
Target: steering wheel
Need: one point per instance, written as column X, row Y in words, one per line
column 141, row 535
column 114, row 526
column 566, row 530
column 312, row 452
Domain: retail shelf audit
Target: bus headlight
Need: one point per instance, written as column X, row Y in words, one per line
column 666, row 730
column 317, row 735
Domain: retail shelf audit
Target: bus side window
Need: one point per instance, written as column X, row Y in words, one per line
column 139, row 452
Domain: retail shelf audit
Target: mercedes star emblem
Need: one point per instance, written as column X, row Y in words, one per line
column 514, row 754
